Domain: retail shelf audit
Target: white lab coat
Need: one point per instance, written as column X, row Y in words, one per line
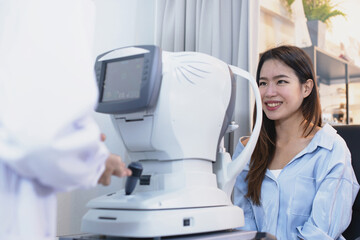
column 48, row 140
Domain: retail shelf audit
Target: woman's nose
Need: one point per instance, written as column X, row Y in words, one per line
column 270, row 90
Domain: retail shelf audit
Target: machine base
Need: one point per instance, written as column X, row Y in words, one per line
column 221, row 235
column 160, row 223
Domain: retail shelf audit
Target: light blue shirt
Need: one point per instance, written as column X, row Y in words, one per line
column 312, row 197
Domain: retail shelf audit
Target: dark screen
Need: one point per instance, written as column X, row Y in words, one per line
column 123, row 80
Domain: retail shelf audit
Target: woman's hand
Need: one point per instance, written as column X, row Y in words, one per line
column 114, row 166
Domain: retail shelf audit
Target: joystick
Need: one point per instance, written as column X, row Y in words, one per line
column 131, row 181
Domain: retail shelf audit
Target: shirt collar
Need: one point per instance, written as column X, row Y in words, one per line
column 324, row 138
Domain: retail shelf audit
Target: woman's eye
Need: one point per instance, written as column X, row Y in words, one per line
column 282, row 81
column 262, row 83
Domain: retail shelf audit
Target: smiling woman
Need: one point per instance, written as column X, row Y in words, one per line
column 281, row 91
column 300, row 179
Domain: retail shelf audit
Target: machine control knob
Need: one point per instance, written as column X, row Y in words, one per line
column 131, row 181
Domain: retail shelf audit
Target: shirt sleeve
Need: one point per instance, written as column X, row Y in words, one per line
column 244, row 203
column 332, row 205
column 48, row 92
column 240, row 191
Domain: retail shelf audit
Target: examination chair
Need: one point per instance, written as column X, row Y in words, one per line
column 351, row 135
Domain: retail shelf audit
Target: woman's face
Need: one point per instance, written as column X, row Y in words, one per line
column 281, row 91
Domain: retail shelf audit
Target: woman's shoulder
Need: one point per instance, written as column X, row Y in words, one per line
column 332, row 138
column 325, row 136
column 334, row 147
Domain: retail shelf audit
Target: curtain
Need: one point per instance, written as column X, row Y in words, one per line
column 226, row 29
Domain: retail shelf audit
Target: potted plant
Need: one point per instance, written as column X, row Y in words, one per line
column 318, row 14
column 321, row 10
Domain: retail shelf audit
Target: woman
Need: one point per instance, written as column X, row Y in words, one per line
column 299, row 183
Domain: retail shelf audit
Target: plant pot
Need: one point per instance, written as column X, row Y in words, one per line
column 317, row 31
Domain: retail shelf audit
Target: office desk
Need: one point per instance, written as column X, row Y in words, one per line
column 222, row 235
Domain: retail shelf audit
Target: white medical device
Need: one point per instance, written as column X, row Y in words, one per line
column 172, row 111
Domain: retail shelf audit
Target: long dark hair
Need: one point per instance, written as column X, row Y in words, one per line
column 301, row 63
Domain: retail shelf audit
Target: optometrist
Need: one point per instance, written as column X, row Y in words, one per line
column 49, row 141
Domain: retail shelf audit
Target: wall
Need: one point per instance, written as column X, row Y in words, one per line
column 119, row 23
column 276, row 26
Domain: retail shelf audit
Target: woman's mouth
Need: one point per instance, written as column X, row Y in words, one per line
column 271, row 106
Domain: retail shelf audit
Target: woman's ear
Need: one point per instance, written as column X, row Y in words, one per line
column 307, row 87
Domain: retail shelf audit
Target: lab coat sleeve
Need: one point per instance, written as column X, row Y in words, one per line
column 48, row 93
column 332, row 205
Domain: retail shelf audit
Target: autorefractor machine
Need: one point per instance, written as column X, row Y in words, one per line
column 172, row 111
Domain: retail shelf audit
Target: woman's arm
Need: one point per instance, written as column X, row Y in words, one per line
column 244, row 140
column 332, row 205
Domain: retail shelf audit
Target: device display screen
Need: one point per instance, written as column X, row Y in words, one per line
column 123, row 80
